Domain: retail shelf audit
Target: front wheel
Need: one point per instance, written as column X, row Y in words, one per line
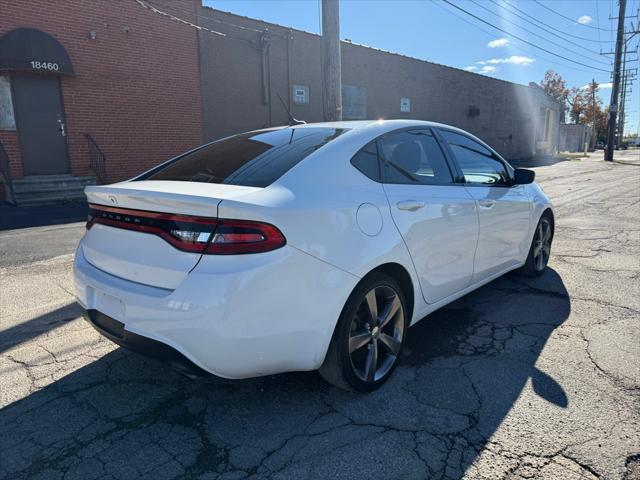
column 369, row 336
column 540, row 248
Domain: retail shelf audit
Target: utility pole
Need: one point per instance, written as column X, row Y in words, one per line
column 621, row 106
column 593, row 113
column 331, row 60
column 613, row 104
column 622, row 96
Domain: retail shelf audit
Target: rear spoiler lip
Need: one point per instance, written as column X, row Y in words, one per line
column 161, row 202
column 184, row 198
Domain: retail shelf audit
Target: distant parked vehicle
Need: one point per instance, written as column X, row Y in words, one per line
column 600, row 145
column 306, row 247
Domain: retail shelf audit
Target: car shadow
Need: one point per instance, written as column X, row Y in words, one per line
column 40, row 325
column 464, row 367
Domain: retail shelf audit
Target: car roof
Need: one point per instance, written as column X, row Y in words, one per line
column 366, row 130
column 358, row 124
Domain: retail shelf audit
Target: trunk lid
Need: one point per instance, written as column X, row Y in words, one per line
column 146, row 257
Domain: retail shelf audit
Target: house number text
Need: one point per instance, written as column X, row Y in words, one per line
column 51, row 66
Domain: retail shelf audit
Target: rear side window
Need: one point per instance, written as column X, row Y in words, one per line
column 254, row 159
column 366, row 160
column 478, row 164
column 414, row 157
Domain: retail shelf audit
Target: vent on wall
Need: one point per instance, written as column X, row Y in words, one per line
column 473, row 111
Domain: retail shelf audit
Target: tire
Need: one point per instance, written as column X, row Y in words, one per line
column 540, row 249
column 365, row 348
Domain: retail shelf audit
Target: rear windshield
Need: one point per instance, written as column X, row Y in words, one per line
column 252, row 159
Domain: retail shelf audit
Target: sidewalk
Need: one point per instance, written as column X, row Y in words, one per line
column 627, row 157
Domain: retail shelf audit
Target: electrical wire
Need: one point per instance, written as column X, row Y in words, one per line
column 568, row 18
column 512, row 6
column 523, row 40
column 221, row 22
column 172, row 17
column 598, row 24
column 544, row 38
column 492, row 35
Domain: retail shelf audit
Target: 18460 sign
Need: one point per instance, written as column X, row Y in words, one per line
column 49, row 66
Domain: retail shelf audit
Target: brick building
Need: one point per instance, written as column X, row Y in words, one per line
column 132, row 85
column 95, row 90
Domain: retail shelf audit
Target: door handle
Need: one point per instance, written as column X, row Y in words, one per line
column 486, row 203
column 410, row 205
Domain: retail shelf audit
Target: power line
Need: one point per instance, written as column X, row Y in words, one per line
column 512, row 6
column 543, row 37
column 598, row 23
column 492, row 35
column 149, row 5
column 172, row 17
column 570, row 19
column 523, row 40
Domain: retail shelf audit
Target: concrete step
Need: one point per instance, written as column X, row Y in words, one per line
column 50, row 189
column 51, row 183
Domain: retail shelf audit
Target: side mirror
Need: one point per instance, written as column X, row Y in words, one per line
column 523, row 176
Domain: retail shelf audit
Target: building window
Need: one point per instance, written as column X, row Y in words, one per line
column 7, row 119
column 405, row 105
column 354, row 102
column 301, row 94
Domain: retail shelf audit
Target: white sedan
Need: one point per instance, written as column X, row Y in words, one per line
column 307, row 247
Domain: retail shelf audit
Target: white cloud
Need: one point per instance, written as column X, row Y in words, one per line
column 601, row 86
column 513, row 59
column 585, row 20
column 488, row 69
column 471, row 68
column 500, row 42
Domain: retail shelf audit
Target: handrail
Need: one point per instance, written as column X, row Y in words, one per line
column 5, row 170
column 97, row 159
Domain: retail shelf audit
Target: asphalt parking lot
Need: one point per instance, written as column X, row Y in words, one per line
column 520, row 379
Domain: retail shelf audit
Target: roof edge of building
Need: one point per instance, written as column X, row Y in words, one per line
column 351, row 42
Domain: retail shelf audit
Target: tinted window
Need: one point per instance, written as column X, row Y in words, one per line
column 366, row 160
column 253, row 159
column 478, row 164
column 413, row 156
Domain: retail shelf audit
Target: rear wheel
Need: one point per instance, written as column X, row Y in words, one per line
column 369, row 336
column 540, row 248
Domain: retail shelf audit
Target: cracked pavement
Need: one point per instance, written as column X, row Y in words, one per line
column 521, row 379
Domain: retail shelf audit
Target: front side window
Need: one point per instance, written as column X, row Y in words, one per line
column 255, row 159
column 478, row 164
column 414, row 156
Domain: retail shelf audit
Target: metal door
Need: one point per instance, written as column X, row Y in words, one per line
column 40, row 123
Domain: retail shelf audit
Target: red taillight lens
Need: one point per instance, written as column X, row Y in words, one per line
column 240, row 236
column 193, row 234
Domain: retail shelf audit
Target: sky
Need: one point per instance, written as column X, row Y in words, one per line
column 436, row 31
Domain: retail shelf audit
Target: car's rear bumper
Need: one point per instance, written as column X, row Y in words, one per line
column 235, row 316
column 115, row 331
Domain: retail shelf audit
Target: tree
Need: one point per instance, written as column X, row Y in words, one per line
column 593, row 104
column 577, row 104
column 556, row 87
column 589, row 110
column 602, row 117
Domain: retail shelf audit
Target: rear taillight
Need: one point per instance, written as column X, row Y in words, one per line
column 239, row 236
column 193, row 234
